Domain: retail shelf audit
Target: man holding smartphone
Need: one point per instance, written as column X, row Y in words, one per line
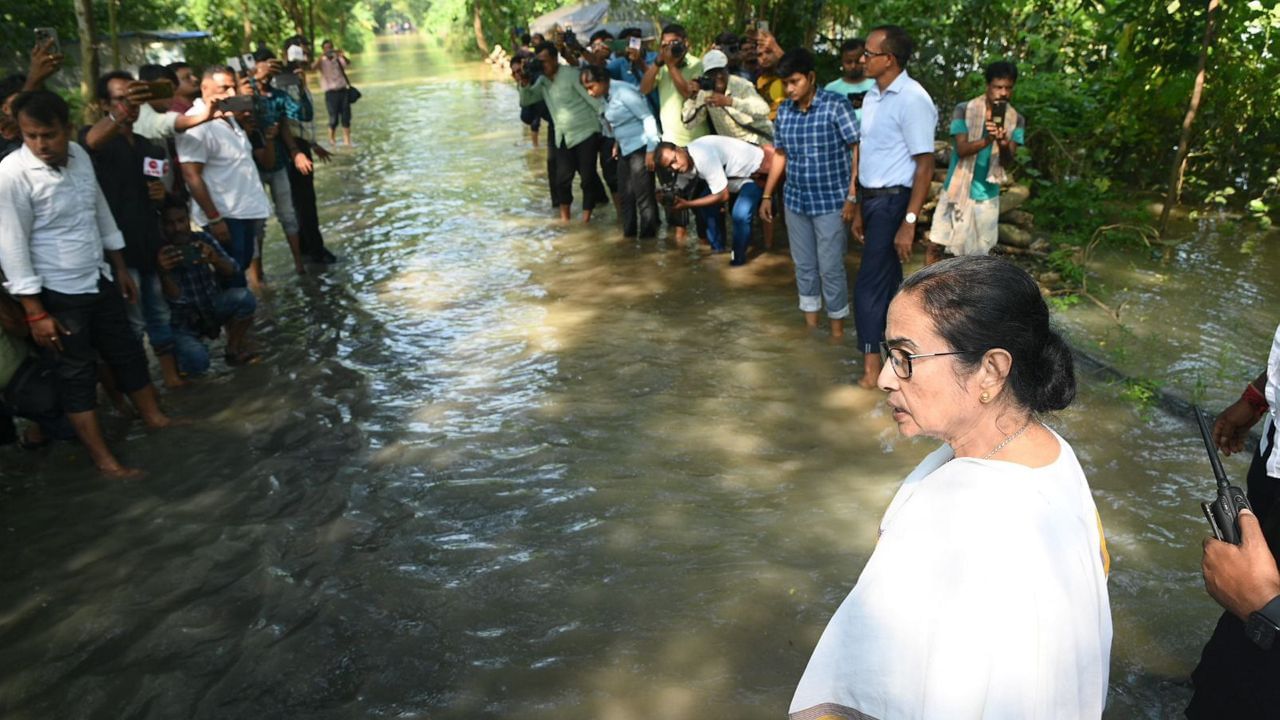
column 967, row 219
column 1236, row 677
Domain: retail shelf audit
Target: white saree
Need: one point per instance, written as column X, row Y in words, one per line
column 985, row 597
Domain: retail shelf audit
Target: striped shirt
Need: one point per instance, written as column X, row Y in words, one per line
column 816, row 143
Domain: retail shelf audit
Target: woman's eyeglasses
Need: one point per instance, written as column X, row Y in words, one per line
column 900, row 360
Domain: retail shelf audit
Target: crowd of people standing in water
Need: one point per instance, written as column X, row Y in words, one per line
column 148, row 224
column 986, row 595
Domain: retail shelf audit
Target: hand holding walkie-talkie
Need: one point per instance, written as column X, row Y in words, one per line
column 1224, row 511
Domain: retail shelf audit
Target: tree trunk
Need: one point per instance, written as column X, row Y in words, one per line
column 89, row 69
column 478, row 23
column 113, row 29
column 1179, row 165
column 248, row 28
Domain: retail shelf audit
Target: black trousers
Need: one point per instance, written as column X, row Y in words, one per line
column 609, row 164
column 580, row 159
column 1235, row 678
column 303, row 189
column 551, row 167
column 98, row 325
column 636, row 194
column 339, row 106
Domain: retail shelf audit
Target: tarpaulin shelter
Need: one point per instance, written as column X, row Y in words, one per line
column 586, row 18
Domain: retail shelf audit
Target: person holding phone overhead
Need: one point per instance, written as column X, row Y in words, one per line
column 986, row 593
column 1240, row 663
column 967, row 219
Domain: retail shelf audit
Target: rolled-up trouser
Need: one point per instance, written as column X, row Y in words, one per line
column 339, row 108
column 32, row 393
column 818, row 244
column 636, row 195
column 282, row 198
column 880, row 273
column 531, row 115
column 96, row 324
column 151, row 313
column 580, row 159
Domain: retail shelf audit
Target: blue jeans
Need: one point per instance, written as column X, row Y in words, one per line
column 880, row 273
column 151, row 312
column 241, row 249
column 744, row 209
column 818, row 244
column 235, row 303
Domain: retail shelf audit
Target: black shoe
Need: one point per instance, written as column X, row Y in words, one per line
column 324, row 256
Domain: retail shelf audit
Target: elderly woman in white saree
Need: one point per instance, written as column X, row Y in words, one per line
column 986, row 594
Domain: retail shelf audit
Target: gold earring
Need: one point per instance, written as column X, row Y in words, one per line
column 985, row 397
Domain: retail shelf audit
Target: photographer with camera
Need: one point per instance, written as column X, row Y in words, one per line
column 729, row 167
column 672, row 75
column 731, row 104
column 193, row 269
column 853, row 83
column 217, row 160
column 577, row 128
column 332, row 66
column 966, row 221
column 1236, row 677
column 634, row 132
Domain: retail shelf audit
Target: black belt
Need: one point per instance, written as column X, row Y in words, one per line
column 891, row 190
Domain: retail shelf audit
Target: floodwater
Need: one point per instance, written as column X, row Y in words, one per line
column 498, row 467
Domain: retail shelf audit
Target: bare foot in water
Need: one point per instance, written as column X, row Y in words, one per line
column 116, row 471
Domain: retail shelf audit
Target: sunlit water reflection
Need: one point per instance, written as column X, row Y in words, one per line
column 497, row 467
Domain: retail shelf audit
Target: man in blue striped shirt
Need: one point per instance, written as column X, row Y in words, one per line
column 816, row 140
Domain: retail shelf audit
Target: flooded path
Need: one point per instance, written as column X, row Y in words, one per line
column 498, row 467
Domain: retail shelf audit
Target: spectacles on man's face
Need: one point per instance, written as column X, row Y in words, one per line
column 900, row 360
column 868, row 54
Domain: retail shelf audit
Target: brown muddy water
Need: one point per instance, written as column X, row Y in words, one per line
column 498, row 467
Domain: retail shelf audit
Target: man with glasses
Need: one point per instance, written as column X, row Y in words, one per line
column 895, row 168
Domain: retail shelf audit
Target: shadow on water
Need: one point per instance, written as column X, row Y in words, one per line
column 494, row 466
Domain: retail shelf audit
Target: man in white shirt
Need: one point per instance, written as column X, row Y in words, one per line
column 728, row 166
column 227, row 198
column 56, row 236
column 895, row 168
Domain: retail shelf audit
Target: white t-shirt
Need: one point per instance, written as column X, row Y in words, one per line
column 896, row 125
column 725, row 161
column 229, row 171
column 1273, row 394
column 986, row 597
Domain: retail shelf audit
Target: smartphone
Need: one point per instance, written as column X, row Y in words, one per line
column 634, row 43
column 762, row 26
column 998, row 109
column 249, row 62
column 617, row 46
column 236, row 103
column 44, row 34
column 191, row 254
column 295, row 53
column 286, row 80
column 235, row 64
column 160, row 89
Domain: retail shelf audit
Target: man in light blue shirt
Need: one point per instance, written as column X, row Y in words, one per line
column 627, row 118
column 895, row 168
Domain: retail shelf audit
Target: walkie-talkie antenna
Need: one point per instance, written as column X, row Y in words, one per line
column 1218, row 473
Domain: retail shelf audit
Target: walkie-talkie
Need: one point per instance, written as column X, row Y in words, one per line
column 1223, row 512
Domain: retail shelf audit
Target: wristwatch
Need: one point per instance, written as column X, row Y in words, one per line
column 1264, row 624
column 911, row 218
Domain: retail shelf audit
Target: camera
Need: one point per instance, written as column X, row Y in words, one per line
column 706, row 82
column 678, row 49
column 675, row 185
column 532, row 68
column 998, row 109
column 570, row 38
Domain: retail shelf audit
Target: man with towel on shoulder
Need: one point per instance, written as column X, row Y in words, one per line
column 968, row 215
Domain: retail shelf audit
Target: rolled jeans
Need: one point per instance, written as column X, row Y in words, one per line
column 880, row 273
column 744, row 209
column 636, row 190
column 236, row 303
column 241, row 249
column 818, row 244
column 151, row 313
